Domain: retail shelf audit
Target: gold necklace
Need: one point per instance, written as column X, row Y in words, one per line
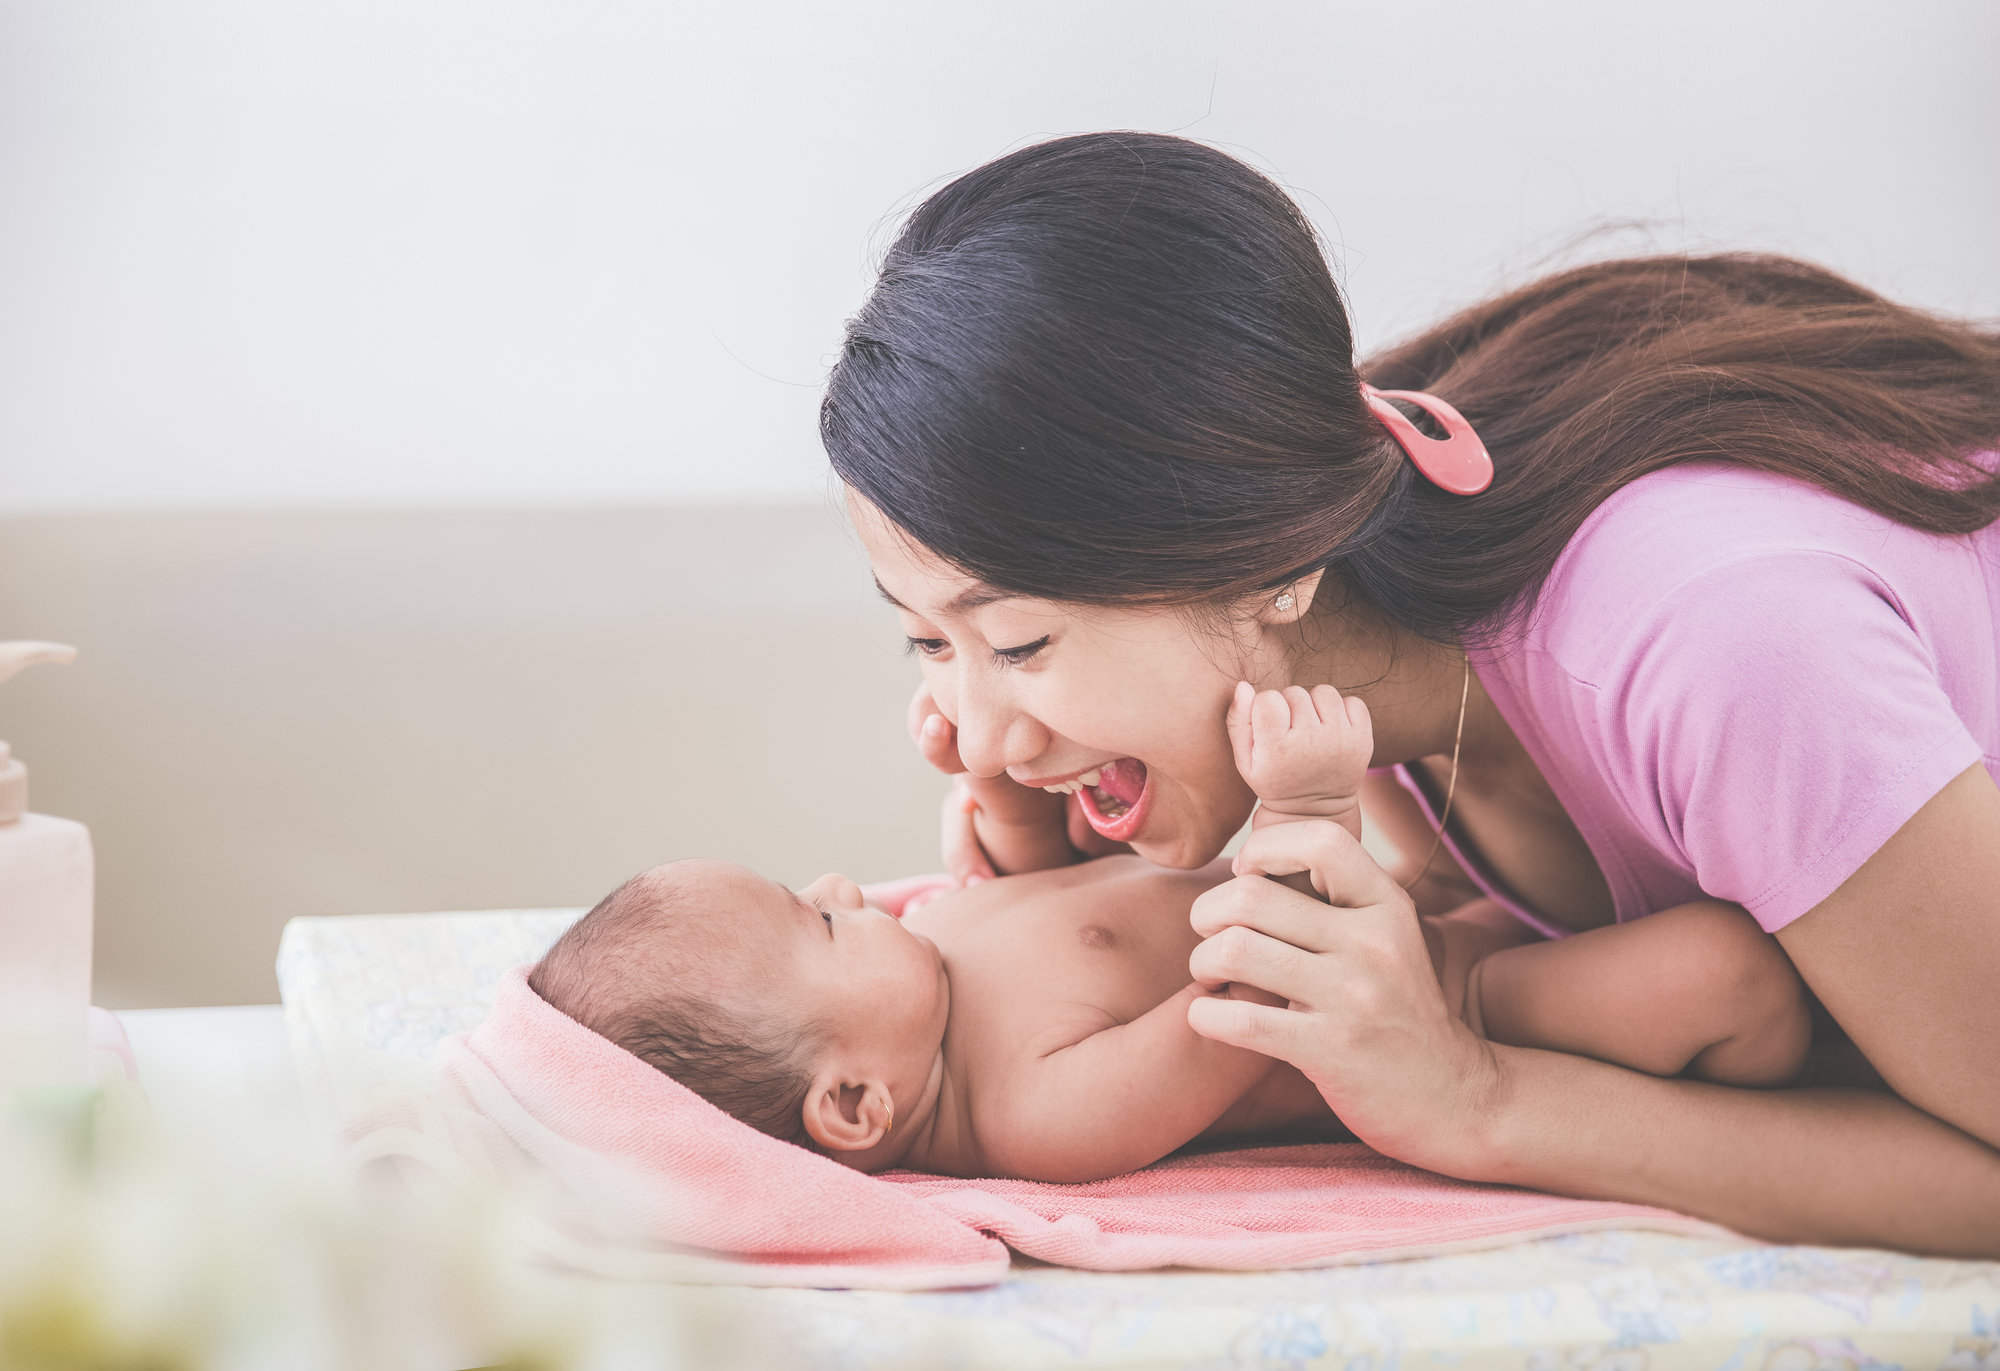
column 1464, row 693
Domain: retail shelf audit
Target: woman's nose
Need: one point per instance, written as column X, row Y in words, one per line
column 993, row 736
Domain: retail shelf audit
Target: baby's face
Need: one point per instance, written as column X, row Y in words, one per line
column 822, row 956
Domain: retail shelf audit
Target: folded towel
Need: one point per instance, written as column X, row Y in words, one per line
column 649, row 1181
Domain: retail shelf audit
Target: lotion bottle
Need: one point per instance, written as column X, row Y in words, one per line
column 45, row 925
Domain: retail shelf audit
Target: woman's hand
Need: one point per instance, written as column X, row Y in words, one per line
column 1367, row 1021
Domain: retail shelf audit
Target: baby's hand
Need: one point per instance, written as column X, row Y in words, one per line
column 1304, row 752
column 992, row 825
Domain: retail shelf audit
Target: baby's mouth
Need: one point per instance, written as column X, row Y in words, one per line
column 1114, row 802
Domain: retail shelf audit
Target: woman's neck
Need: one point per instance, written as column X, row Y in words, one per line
column 1412, row 686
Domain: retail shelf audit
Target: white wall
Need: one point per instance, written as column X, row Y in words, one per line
column 383, row 252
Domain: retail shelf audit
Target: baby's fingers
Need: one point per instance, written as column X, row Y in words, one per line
column 1299, row 701
column 964, row 858
column 1238, row 723
column 1348, row 713
column 937, row 740
column 934, row 735
column 1270, row 716
column 1357, row 713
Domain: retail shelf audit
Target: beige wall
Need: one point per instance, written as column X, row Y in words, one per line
column 333, row 713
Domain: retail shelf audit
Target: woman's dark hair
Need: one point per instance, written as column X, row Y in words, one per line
column 1114, row 369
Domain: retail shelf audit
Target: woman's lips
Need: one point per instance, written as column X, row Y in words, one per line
column 1116, row 805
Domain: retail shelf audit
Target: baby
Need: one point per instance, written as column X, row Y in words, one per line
column 1036, row 1026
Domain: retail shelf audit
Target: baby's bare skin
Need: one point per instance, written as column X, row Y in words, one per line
column 1037, row 1025
column 1068, row 1054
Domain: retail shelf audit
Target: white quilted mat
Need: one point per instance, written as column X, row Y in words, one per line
column 368, row 997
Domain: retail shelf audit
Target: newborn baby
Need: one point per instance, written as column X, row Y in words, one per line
column 1036, row 1026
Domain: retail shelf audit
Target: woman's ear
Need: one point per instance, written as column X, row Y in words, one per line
column 1288, row 603
column 848, row 1116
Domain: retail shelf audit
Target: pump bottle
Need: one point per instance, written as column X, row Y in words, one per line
column 45, row 924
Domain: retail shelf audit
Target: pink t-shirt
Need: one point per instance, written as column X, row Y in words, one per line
column 1741, row 686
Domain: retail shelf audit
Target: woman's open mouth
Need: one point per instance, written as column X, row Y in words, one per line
column 1116, row 802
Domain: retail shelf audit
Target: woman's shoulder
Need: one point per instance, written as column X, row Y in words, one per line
column 1674, row 525
column 1731, row 545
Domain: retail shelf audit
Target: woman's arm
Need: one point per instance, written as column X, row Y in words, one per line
column 1841, row 1167
column 1905, row 955
column 1368, row 1025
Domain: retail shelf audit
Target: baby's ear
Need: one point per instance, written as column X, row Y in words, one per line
column 848, row 1116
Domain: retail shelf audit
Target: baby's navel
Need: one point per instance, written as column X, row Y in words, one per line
column 1096, row 937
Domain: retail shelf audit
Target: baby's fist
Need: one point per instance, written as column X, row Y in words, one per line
column 1304, row 752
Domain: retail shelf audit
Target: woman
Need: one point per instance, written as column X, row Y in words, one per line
column 1727, row 620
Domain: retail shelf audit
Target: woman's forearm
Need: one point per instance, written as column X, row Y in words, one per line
column 1366, row 1023
column 1841, row 1167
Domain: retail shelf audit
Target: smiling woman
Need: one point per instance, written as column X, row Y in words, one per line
column 1120, row 678
column 1725, row 624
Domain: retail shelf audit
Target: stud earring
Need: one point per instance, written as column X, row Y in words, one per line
column 1283, row 601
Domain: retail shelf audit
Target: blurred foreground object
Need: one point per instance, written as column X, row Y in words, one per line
column 120, row 1249
column 45, row 923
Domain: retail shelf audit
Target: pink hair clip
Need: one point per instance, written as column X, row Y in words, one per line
column 1457, row 462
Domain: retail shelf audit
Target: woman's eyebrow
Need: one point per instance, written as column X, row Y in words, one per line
column 883, row 591
column 964, row 602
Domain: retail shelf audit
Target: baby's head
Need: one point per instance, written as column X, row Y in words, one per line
column 809, row 1016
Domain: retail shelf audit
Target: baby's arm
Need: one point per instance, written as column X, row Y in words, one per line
column 1020, row 829
column 1698, row 989
column 994, row 825
column 1095, row 1098
column 1305, row 752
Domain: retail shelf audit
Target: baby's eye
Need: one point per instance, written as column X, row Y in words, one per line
column 928, row 647
column 1014, row 656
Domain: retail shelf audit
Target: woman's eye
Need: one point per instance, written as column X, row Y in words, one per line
column 1014, row 656
column 928, row 647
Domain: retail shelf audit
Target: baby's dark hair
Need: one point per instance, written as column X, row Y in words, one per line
column 618, row 971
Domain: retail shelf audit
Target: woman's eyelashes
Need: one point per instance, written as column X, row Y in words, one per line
column 1006, row 656
column 1014, row 656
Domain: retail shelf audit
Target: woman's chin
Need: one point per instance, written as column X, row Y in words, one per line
column 1184, row 845
column 1133, row 803
column 1178, row 856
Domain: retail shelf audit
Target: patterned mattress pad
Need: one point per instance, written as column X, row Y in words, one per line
column 369, row 997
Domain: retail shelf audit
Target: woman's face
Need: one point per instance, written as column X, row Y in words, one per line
column 1050, row 692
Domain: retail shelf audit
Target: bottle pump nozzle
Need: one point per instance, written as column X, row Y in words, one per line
column 14, row 776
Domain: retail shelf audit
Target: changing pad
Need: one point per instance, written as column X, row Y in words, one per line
column 368, row 999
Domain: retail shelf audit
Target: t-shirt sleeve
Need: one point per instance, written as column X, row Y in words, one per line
column 1786, row 719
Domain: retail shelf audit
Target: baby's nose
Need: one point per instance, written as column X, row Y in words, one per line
column 837, row 888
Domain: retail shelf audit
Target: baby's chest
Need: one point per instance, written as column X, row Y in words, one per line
column 1101, row 965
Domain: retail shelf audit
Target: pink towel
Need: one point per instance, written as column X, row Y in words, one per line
column 651, row 1181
